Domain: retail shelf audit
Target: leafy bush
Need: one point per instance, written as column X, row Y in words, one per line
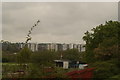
column 105, row 69
column 45, row 58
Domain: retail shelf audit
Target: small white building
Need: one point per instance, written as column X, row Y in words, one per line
column 70, row 64
column 62, row 63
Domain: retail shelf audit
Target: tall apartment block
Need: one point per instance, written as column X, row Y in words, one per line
column 54, row 46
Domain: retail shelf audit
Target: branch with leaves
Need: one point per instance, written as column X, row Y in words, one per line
column 30, row 32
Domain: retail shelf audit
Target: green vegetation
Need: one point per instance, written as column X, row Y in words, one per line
column 24, row 55
column 38, row 62
column 102, row 52
column 72, row 54
column 103, row 49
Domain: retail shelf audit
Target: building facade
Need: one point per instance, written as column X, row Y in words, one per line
column 52, row 46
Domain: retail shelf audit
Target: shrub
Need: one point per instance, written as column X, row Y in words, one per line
column 105, row 69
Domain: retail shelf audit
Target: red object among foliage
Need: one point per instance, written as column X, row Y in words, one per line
column 85, row 74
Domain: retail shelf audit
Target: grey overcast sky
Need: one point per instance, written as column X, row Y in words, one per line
column 60, row 22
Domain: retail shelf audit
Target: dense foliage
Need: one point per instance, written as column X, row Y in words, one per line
column 103, row 49
column 9, row 47
column 103, row 41
column 24, row 55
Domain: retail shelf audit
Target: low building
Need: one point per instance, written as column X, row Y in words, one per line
column 62, row 63
column 70, row 64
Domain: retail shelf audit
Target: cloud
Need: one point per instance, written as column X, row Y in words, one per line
column 60, row 22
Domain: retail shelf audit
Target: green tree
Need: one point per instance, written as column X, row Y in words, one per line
column 43, row 58
column 24, row 55
column 104, row 70
column 101, row 40
column 72, row 54
column 10, row 47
